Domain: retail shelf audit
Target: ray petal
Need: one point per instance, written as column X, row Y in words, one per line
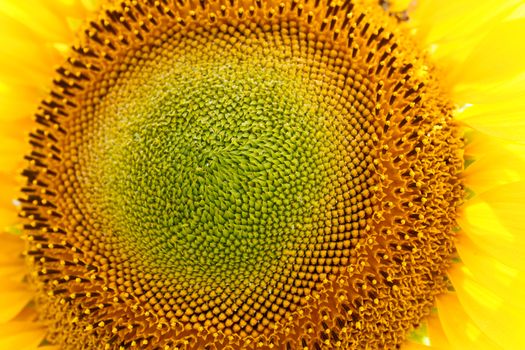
column 462, row 333
column 494, row 314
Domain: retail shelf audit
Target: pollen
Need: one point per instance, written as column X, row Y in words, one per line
column 241, row 175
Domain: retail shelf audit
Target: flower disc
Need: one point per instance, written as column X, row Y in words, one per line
column 218, row 175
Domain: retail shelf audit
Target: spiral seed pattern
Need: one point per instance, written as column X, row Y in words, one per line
column 241, row 175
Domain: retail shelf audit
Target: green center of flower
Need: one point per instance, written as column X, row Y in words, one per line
column 226, row 171
column 214, row 165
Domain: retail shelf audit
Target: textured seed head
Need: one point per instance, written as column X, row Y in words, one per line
column 255, row 175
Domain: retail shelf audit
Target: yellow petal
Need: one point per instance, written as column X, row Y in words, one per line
column 520, row 12
column 35, row 37
column 73, row 8
column 12, row 273
column 12, row 301
column 14, row 294
column 461, row 332
column 491, row 273
column 8, row 192
column 400, row 5
column 490, row 93
column 410, row 345
column 503, row 119
column 491, row 313
column 21, row 335
column 51, row 25
column 453, row 28
column 12, row 265
column 499, row 56
column 26, row 67
column 494, row 222
column 19, row 40
column 438, row 338
column 482, row 174
column 11, row 246
column 11, row 149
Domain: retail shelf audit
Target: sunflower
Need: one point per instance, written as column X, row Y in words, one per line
column 304, row 174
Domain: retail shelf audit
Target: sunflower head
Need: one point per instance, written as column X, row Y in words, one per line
column 242, row 175
column 224, row 174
